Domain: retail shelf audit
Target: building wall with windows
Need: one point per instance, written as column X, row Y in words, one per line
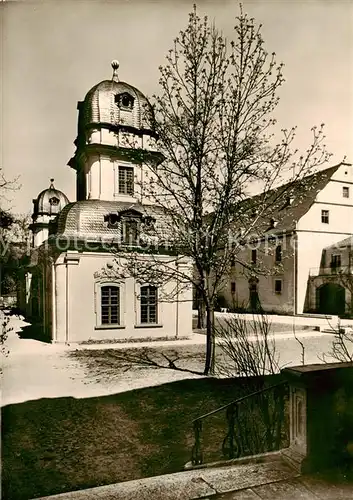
column 329, row 220
column 110, row 178
column 331, row 284
column 270, row 275
column 322, row 218
column 91, row 302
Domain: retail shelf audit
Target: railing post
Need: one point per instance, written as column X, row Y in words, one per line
column 230, row 447
column 196, row 455
column 321, row 399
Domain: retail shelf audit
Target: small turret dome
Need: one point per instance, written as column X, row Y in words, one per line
column 118, row 104
column 50, row 201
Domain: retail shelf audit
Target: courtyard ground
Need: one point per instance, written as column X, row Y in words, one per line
column 35, row 369
column 74, row 417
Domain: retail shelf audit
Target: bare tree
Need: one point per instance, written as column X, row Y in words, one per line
column 247, row 346
column 217, row 131
column 342, row 345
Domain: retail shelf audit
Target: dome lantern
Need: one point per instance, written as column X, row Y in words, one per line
column 116, row 104
column 49, row 202
column 115, row 66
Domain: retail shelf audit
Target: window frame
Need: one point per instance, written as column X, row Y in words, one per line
column 125, row 191
column 345, row 192
column 125, row 223
column 118, row 99
column 278, row 254
column 112, row 304
column 253, row 257
column 139, row 323
column 325, row 214
column 336, row 261
column 151, row 304
column 99, row 285
column 280, row 291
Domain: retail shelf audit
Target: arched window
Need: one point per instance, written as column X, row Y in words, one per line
column 149, row 304
column 279, row 253
column 110, row 305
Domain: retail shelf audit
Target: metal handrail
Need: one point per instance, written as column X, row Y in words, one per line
column 239, row 400
column 231, row 445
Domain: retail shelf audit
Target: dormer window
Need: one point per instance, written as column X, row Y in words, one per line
column 54, row 201
column 124, row 101
column 113, row 220
column 130, row 231
column 128, row 223
column 149, row 223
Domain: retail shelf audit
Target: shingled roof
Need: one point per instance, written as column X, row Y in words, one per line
column 288, row 202
column 86, row 219
column 346, row 243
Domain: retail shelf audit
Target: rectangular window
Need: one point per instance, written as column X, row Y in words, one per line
column 149, row 304
column 278, row 286
column 325, row 215
column 253, row 256
column 278, row 253
column 232, row 287
column 110, row 305
column 126, row 180
column 335, row 261
column 345, row 192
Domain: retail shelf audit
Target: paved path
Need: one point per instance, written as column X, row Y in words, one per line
column 252, row 481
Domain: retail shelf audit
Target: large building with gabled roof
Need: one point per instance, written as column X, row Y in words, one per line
column 280, row 263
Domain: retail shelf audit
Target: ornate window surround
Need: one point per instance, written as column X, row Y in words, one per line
column 102, row 279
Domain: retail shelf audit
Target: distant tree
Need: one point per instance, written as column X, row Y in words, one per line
column 15, row 239
column 13, row 234
column 217, row 131
column 6, row 221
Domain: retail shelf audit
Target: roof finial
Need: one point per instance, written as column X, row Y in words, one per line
column 51, row 184
column 115, row 66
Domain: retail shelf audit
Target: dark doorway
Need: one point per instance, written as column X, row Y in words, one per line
column 254, row 299
column 331, row 299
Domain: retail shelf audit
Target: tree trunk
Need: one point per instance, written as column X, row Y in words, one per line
column 200, row 314
column 210, row 341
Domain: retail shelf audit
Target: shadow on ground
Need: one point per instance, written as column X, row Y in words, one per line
column 33, row 332
column 56, row 445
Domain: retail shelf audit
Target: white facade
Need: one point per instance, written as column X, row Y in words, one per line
column 78, row 281
column 77, row 293
column 314, row 235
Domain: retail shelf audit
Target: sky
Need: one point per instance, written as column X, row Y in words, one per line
column 54, row 51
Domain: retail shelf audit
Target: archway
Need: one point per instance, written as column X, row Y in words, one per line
column 254, row 300
column 331, row 299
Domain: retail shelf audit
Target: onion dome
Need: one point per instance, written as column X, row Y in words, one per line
column 113, row 103
column 50, row 201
